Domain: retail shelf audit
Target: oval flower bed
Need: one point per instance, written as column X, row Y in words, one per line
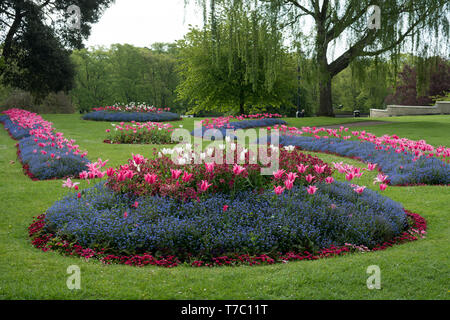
column 147, row 212
column 131, row 112
column 140, row 133
column 44, row 153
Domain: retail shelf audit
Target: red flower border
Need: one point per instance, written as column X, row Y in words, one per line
column 48, row 241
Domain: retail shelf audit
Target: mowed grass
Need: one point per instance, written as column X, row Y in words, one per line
column 416, row 270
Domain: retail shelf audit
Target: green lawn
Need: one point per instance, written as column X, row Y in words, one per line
column 416, row 270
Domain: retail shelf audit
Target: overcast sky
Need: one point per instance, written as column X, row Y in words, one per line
column 143, row 22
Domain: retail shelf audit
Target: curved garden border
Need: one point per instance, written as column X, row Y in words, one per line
column 48, row 242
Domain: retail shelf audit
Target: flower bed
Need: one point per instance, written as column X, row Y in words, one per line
column 131, row 107
column 140, row 133
column 254, row 229
column 403, row 168
column 219, row 126
column 164, row 176
column 44, row 154
column 131, row 116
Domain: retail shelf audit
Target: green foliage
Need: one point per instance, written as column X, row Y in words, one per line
column 236, row 65
column 35, row 54
column 124, row 74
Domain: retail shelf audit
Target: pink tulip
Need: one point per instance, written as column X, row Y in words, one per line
column 110, row 172
column 125, row 214
column 309, row 178
column 380, row 178
column 371, row 166
column 329, row 179
column 138, row 159
column 175, row 173
column 150, row 178
column 209, row 167
column 359, row 190
column 311, row 189
column 289, row 184
column 292, row 176
column 79, row 195
column 186, row 176
column 204, row 185
column 225, row 208
column 383, row 186
column 83, row 175
column 278, row 190
column 349, row 176
column 237, row 169
column 302, row 168
column 136, row 204
column 320, row 169
column 279, row 173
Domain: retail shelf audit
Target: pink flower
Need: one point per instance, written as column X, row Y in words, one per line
column 135, row 204
column 302, row 168
column 329, row 179
column 311, row 189
column 359, row 190
column 292, row 176
column 110, row 172
column 289, row 184
column 125, row 214
column 175, row 173
column 383, row 186
column 83, row 175
column 349, row 176
column 380, row 178
column 225, row 208
column 186, row 176
column 107, row 130
column 209, row 167
column 332, row 206
column 371, row 166
column 237, row 169
column 309, row 178
column 279, row 173
column 69, row 184
column 150, row 178
column 320, row 169
column 278, row 190
column 138, row 159
column 204, row 185
column 79, row 195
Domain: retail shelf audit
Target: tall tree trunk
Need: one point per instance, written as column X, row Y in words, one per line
column 325, row 97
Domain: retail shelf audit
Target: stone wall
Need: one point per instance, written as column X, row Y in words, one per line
column 441, row 107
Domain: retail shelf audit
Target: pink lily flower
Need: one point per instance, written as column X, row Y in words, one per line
column 175, row 173
column 237, row 169
column 279, row 173
column 292, row 176
column 302, row 168
column 371, row 166
column 289, row 184
column 209, row 167
column 150, row 178
column 309, row 178
column 319, row 169
column 186, row 176
column 204, row 185
column 383, row 186
column 311, row 189
column 278, row 190
column 329, row 179
column 359, row 190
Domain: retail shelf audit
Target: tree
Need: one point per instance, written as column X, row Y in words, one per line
column 408, row 90
column 237, row 65
column 403, row 22
column 35, row 54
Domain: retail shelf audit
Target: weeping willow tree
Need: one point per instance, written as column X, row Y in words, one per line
column 364, row 31
column 236, row 63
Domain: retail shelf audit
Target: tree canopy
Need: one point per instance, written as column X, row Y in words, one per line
column 36, row 40
column 317, row 26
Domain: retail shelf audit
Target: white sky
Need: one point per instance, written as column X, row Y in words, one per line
column 143, row 22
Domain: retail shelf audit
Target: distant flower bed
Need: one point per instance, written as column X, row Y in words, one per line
column 131, row 107
column 218, row 126
column 122, row 116
column 402, row 167
column 140, row 133
column 249, row 228
column 44, row 153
